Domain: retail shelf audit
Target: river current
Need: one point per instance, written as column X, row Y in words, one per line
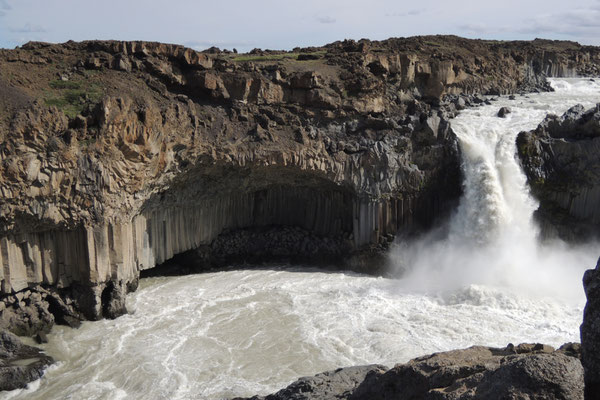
column 485, row 281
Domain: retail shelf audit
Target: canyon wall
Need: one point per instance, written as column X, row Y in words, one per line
column 560, row 159
column 116, row 156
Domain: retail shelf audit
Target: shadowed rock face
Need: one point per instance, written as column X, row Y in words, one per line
column 590, row 333
column 525, row 371
column 560, row 159
column 19, row 363
column 116, row 156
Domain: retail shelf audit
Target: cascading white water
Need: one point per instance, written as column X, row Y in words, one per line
column 239, row 333
column 492, row 237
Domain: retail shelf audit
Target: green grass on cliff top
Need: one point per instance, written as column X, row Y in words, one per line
column 71, row 97
column 274, row 57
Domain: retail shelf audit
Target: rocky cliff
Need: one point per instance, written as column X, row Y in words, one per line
column 560, row 159
column 116, row 156
column 590, row 340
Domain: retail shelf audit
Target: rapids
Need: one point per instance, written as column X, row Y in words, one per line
column 482, row 279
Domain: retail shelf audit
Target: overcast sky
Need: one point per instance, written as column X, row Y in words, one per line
column 284, row 24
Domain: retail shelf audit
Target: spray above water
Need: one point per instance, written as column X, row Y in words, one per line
column 492, row 238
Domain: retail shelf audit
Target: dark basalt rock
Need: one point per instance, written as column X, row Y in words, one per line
column 19, row 363
column 560, row 159
column 503, row 112
column 590, row 333
column 338, row 384
column 526, row 371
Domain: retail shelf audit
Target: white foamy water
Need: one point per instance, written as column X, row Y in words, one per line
column 492, row 238
column 239, row 333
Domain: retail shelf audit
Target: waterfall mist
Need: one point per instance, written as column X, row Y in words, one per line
column 492, row 238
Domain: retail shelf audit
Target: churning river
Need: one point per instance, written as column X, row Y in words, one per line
column 217, row 335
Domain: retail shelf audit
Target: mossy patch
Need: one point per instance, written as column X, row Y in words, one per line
column 274, row 57
column 71, row 97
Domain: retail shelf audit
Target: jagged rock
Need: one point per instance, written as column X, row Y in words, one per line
column 113, row 300
column 25, row 318
column 526, row 371
column 590, row 333
column 338, row 384
column 19, row 363
column 503, row 112
column 560, row 159
column 164, row 148
column 41, row 338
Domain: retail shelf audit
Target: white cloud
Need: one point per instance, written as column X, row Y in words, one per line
column 28, row 28
column 411, row 13
column 326, row 20
column 266, row 24
column 4, row 7
column 581, row 22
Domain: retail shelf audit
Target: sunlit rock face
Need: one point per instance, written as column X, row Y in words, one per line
column 116, row 156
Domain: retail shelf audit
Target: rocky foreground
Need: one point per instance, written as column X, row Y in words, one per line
column 526, row 371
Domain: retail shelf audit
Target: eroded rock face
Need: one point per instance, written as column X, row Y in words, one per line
column 19, row 363
column 590, row 333
column 526, row 371
column 560, row 159
column 116, row 156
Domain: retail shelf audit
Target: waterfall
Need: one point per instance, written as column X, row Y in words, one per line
column 492, row 238
column 496, row 200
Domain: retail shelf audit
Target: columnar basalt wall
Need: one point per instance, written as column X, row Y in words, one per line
column 116, row 156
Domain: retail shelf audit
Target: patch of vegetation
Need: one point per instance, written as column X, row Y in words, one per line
column 432, row 44
column 87, row 142
column 274, row 57
column 59, row 84
column 71, row 97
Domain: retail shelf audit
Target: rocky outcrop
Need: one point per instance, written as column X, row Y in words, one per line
column 515, row 372
column 590, row 339
column 560, row 159
column 338, row 384
column 117, row 156
column 19, row 363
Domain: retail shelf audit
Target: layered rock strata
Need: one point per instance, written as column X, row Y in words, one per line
column 560, row 159
column 526, row 371
column 116, row 156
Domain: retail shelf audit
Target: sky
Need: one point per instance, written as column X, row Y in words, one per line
column 285, row 24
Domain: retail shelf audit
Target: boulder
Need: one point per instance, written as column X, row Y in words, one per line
column 19, row 363
column 502, row 112
column 337, row 384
